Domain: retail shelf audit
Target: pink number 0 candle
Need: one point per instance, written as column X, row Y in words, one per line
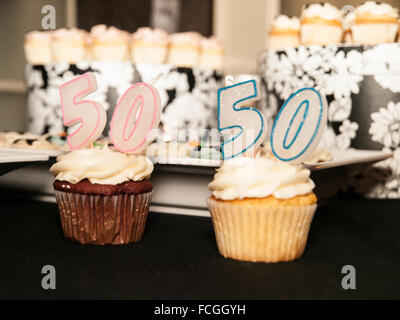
column 136, row 114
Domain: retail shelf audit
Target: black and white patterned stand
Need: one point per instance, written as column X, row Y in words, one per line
column 188, row 96
column 362, row 86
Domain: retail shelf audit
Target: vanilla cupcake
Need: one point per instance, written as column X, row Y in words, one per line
column 69, row 45
column 212, row 54
column 109, row 44
column 375, row 22
column 149, row 46
column 184, row 50
column 37, row 47
column 284, row 33
column 261, row 209
column 321, row 24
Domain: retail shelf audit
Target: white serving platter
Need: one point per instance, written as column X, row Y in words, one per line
column 340, row 158
column 11, row 159
column 349, row 157
column 50, row 153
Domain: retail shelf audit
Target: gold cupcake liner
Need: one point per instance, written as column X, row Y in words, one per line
column 98, row 219
column 260, row 233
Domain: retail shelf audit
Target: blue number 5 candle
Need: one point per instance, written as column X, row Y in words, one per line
column 249, row 123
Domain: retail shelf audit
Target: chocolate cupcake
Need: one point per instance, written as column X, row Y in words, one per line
column 103, row 195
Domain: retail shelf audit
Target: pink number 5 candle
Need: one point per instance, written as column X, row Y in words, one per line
column 136, row 114
column 90, row 114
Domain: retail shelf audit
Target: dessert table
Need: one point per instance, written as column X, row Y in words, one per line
column 178, row 259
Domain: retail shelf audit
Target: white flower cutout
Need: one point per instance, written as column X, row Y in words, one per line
column 385, row 126
column 340, row 109
column 348, row 132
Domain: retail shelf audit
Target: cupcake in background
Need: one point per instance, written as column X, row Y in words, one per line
column 27, row 140
column 149, row 46
column 184, row 50
column 37, row 47
column 69, row 45
column 8, row 137
column 212, row 54
column 284, row 33
column 321, row 24
column 107, row 204
column 261, row 209
column 109, row 44
column 375, row 22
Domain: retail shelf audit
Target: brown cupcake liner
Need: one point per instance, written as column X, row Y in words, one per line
column 260, row 233
column 98, row 219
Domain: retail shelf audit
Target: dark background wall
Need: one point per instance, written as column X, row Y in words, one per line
column 195, row 15
column 293, row 7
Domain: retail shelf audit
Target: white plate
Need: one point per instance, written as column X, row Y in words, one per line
column 50, row 153
column 349, row 157
column 340, row 158
column 11, row 159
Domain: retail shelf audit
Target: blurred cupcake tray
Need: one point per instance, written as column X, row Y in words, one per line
column 48, row 153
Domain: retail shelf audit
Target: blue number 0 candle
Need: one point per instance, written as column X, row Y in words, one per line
column 299, row 126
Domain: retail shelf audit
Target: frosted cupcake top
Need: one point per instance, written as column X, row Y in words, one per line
column 70, row 34
column 283, row 22
column 150, row 35
column 44, row 36
column 258, row 178
column 192, row 38
column 322, row 10
column 376, row 9
column 101, row 165
column 102, row 33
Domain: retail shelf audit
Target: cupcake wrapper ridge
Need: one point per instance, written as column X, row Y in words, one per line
column 98, row 219
column 261, row 234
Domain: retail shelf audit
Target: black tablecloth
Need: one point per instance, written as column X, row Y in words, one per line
column 178, row 259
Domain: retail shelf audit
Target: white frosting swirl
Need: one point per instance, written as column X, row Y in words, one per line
column 322, row 10
column 378, row 9
column 44, row 36
column 151, row 35
column 102, row 33
column 258, row 178
column 73, row 34
column 283, row 22
column 193, row 38
column 101, row 165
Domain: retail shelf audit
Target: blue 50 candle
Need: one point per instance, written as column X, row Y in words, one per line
column 295, row 134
